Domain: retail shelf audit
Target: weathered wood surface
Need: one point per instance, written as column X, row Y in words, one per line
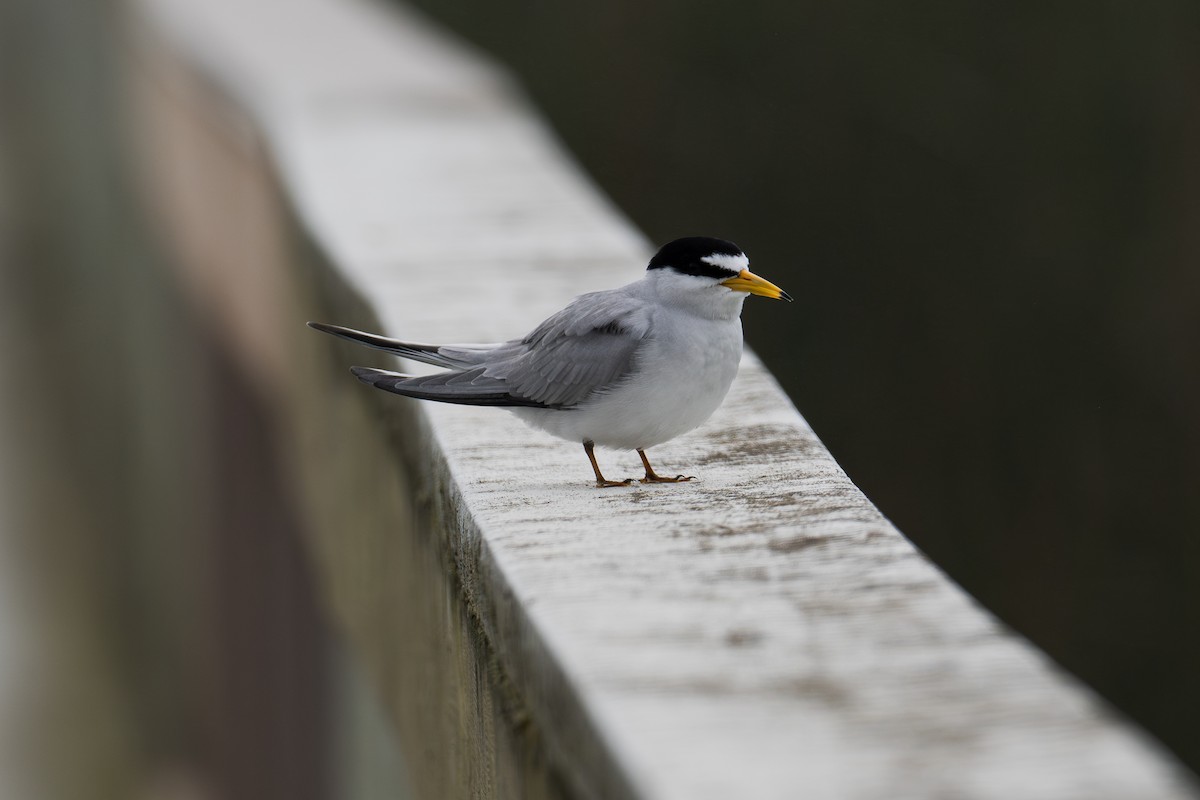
column 763, row 632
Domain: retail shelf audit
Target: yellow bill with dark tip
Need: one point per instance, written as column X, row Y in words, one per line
column 747, row 281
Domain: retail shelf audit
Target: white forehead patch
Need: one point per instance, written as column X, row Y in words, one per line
column 725, row 261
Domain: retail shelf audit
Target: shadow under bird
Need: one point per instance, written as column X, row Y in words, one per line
column 626, row 368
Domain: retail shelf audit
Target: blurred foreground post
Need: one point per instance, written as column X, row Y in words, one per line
column 761, row 633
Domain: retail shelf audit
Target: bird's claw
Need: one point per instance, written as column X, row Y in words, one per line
column 661, row 479
column 606, row 484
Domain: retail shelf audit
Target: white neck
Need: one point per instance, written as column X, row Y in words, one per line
column 704, row 297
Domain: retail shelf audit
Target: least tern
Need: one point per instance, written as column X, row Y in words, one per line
column 626, row 368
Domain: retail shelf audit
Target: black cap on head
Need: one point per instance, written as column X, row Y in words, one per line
column 687, row 256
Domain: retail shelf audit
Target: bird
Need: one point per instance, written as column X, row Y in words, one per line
column 626, row 368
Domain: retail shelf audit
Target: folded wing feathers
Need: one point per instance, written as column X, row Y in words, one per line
column 587, row 347
column 421, row 387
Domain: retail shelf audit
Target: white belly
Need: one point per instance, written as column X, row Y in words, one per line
column 681, row 377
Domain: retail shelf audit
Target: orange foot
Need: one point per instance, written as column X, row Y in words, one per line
column 652, row 478
column 602, row 483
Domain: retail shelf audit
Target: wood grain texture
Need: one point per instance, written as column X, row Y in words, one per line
column 762, row 632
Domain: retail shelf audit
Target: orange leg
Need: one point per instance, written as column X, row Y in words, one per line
column 601, row 483
column 653, row 478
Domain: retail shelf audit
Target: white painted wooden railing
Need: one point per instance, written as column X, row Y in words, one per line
column 761, row 633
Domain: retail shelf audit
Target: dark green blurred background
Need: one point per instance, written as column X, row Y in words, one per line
column 990, row 217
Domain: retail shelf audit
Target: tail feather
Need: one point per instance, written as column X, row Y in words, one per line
column 425, row 353
column 470, row 387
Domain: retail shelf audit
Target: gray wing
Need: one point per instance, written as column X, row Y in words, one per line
column 587, row 347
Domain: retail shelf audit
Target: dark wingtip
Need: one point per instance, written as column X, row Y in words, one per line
column 322, row 327
column 365, row 374
column 782, row 296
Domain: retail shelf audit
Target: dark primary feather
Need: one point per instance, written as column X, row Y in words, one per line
column 437, row 355
column 441, row 387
